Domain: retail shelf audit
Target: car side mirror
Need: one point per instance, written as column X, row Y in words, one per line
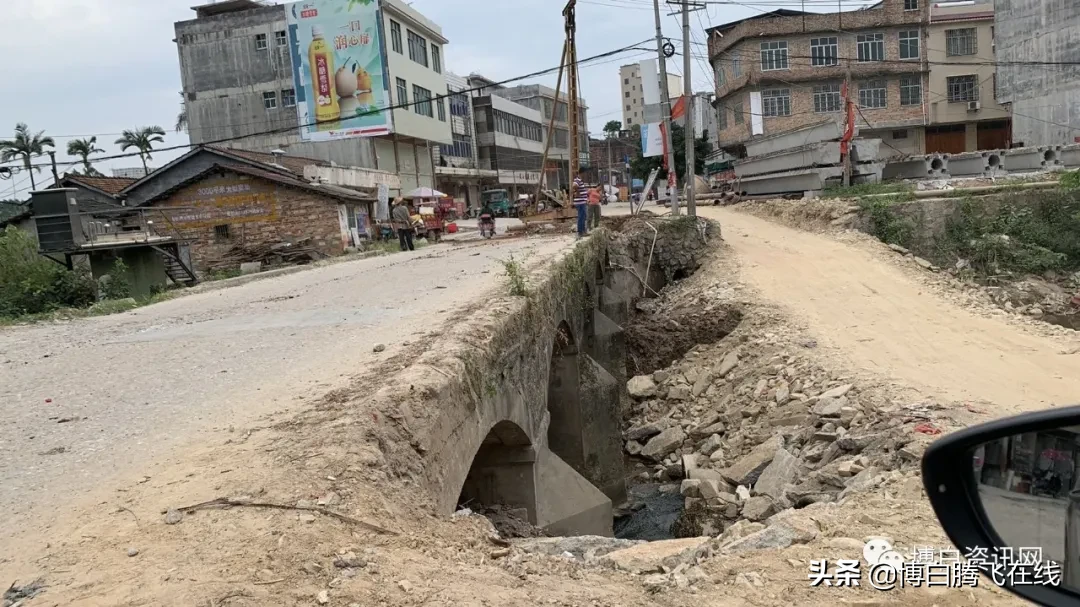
column 1008, row 492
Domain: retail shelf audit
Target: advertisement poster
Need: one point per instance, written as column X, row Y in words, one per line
column 652, row 140
column 339, row 71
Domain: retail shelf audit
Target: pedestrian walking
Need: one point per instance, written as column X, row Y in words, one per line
column 580, row 196
column 594, row 208
column 403, row 224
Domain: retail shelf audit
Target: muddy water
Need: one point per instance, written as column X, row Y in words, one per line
column 651, row 513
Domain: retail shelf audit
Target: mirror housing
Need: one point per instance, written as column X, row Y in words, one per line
column 953, row 491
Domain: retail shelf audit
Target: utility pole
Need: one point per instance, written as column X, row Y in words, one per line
column 56, row 177
column 849, row 128
column 572, row 88
column 665, row 112
column 688, row 127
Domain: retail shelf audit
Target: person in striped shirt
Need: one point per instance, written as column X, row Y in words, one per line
column 581, row 200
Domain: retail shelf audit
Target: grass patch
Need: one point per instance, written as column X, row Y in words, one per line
column 516, row 281
column 885, row 223
column 392, row 246
column 222, row 274
column 868, row 189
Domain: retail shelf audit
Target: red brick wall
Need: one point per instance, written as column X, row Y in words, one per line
column 257, row 211
column 743, row 42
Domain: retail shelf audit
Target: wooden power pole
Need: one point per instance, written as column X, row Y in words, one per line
column 569, row 14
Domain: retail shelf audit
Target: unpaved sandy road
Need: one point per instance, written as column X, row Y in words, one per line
column 882, row 320
column 139, row 383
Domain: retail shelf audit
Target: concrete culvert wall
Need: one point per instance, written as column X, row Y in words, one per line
column 521, row 404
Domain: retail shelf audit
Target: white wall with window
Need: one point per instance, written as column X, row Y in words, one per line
column 415, row 46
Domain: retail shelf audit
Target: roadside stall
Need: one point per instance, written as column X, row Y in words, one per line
column 430, row 219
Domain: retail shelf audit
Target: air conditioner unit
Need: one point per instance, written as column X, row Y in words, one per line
column 974, row 106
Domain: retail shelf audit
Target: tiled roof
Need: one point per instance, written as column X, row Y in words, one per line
column 275, row 176
column 294, row 164
column 109, row 185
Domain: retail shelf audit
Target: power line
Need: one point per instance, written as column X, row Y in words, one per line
column 403, row 105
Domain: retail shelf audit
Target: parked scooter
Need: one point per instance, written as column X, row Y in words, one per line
column 487, row 225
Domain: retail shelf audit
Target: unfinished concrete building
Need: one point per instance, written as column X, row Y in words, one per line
column 1045, row 99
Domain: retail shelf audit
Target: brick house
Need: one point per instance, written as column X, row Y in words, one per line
column 217, row 199
column 794, row 64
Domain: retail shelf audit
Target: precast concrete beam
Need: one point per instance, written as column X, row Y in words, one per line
column 917, row 167
column 981, row 164
column 1069, row 155
column 1032, row 158
column 865, row 150
column 805, row 156
column 815, row 133
column 801, row 180
column 938, row 165
column 867, row 172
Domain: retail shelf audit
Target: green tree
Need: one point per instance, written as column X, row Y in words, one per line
column 143, row 140
column 641, row 166
column 25, row 145
column 83, row 148
column 612, row 128
column 181, row 118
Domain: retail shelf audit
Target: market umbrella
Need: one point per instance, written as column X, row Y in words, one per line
column 425, row 193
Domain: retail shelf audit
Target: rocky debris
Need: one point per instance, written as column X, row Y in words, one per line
column 173, row 516
column 663, row 444
column 511, row 522
column 378, row 348
column 583, row 548
column 757, row 508
column 133, row 551
column 747, row 470
column 349, row 560
column 643, row 432
column 777, row 475
column 15, row 594
column 657, row 556
column 729, row 363
column 641, row 386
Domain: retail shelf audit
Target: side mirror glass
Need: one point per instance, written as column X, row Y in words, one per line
column 1008, row 494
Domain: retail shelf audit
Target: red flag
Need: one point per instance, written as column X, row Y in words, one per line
column 663, row 137
column 679, row 109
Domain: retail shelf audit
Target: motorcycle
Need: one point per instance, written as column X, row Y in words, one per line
column 487, row 226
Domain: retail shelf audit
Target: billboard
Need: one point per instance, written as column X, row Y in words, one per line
column 339, row 69
column 652, row 140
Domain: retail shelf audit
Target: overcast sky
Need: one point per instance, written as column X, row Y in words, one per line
column 97, row 67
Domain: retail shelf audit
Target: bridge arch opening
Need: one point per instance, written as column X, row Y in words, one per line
column 502, row 472
column 564, row 398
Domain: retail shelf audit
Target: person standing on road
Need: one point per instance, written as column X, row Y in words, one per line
column 580, row 195
column 594, row 208
column 403, row 224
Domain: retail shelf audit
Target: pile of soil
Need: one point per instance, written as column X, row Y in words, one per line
column 654, row 341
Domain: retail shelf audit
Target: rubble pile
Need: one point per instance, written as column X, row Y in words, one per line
column 753, row 430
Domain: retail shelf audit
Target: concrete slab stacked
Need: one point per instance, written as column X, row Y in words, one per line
column 805, row 160
column 1032, row 158
column 918, row 167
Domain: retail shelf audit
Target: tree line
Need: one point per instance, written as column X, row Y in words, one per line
column 27, row 145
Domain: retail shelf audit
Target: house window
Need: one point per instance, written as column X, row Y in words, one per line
column 823, row 51
column 962, row 88
column 911, row 90
column 459, row 104
column 288, row 98
column 436, row 59
column 738, row 113
column 827, row 98
column 736, row 67
column 270, row 100
column 261, row 43
column 961, row 42
column 628, row 108
column 719, row 75
column 911, row 5
column 774, row 56
column 280, row 38
column 871, row 47
column 873, row 94
column 776, row 102
column 221, row 232
column 440, row 105
column 909, row 44
column 417, row 48
column 626, row 81
column 402, row 92
column 627, row 94
column 422, row 101
column 395, row 36
column 722, row 121
column 629, row 121
column 899, row 134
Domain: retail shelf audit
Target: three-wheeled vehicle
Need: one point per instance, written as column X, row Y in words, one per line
column 430, row 219
column 499, row 202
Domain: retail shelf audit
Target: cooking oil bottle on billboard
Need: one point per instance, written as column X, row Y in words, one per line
column 327, row 110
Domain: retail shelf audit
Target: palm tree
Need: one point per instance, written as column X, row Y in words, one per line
column 181, row 118
column 25, row 145
column 142, row 139
column 83, row 148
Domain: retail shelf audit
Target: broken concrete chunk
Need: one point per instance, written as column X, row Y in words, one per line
column 837, row 392
column 779, row 473
column 679, row 392
column 747, row 470
column 776, row 535
column 729, row 363
column 783, row 393
column 758, row 508
column 633, row 447
column 644, row 432
column 660, row 376
column 710, row 489
column 650, row 556
column 710, row 445
column 690, row 487
column 849, row 468
column 701, row 385
column 641, row 386
column 689, row 462
column 663, row 444
column 830, row 407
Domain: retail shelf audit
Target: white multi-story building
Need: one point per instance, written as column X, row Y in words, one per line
column 633, row 99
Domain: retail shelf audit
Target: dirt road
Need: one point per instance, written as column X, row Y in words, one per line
column 86, row 400
column 883, row 320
